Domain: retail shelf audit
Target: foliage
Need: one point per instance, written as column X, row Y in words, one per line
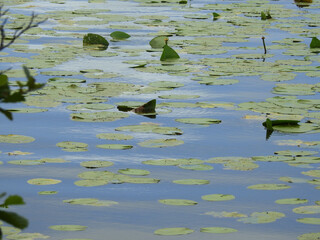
column 95, row 39
column 168, row 52
column 118, row 35
column 11, row 217
column 215, row 16
column 315, row 43
column 265, row 15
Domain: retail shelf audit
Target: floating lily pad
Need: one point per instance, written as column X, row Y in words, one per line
column 309, row 220
column 43, row 181
column 296, row 153
column 160, row 143
column 166, row 84
column 173, row 162
column 218, row 230
column 226, row 214
column 199, row 167
column 272, row 158
column 218, row 197
column 173, row 231
column 96, row 164
column 315, row 209
column 90, row 202
column 179, row 96
column 25, row 162
column 98, row 116
column 68, row 227
column 13, row 138
column 114, row 136
column 114, row 146
column 73, row 146
column 137, row 172
column 151, row 128
column 269, row 186
column 262, row 217
column 200, row 121
column 191, row 181
column 178, row 202
column 47, row 192
column 309, row 236
column 91, row 182
column 291, row 201
column 312, row 173
column 27, row 236
column 118, row 35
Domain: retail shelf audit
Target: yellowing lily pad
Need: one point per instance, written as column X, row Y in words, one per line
column 173, row 231
column 27, row 236
column 43, row 181
column 218, row 197
column 47, row 192
column 309, row 236
column 291, row 201
column 269, row 186
column 309, row 220
column 160, row 143
column 178, row 202
column 262, row 217
column 312, row 173
column 218, row 230
column 200, row 121
column 313, row 209
column 191, row 181
column 68, row 227
column 13, row 138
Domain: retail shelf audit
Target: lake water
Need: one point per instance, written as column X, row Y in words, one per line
column 57, row 44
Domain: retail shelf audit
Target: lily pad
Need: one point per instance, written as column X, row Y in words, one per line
column 91, row 202
column 291, row 201
column 262, row 217
column 119, row 35
column 191, row 181
column 218, row 230
column 47, row 192
column 269, row 186
column 158, row 42
column 218, row 197
column 136, row 172
column 43, row 181
column 114, row 146
column 13, row 138
column 91, row 182
column 68, row 227
column 96, row 40
column 72, row 146
column 160, row 143
column 114, row 136
column 168, row 53
column 96, row 164
column 98, row 116
column 178, row 202
column 200, row 121
column 309, row 220
column 309, row 236
column 173, row 231
column 27, row 236
column 173, row 162
column 313, row 209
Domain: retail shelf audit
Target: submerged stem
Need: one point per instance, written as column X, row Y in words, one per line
column 264, row 45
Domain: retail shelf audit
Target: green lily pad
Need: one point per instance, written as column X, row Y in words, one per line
column 173, row 162
column 262, row 217
column 291, row 201
column 13, row 138
column 295, row 153
column 312, row 173
column 92, row 106
column 27, row 236
column 148, row 127
column 91, row 202
column 118, row 35
column 179, row 96
column 168, row 53
column 91, row 182
column 218, row 197
column 43, row 181
column 315, row 209
column 191, row 181
column 47, row 192
column 114, row 146
column 309, row 236
column 272, row 158
column 309, row 220
column 178, row 202
column 25, row 162
column 166, row 84
column 198, row 167
column 158, row 42
column 114, row 136
column 226, row 214
column 96, row 40
column 173, row 231
column 72, row 146
column 218, row 230
column 98, row 116
column 96, row 164
column 200, row 121
column 136, row 172
column 160, row 143
column 68, row 227
column 269, row 186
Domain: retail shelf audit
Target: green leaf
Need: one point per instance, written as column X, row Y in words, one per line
column 315, row 43
column 13, row 200
column 6, row 113
column 13, row 219
column 148, row 107
column 15, row 97
column 118, row 35
column 158, row 42
column 95, row 39
column 168, row 53
column 215, row 16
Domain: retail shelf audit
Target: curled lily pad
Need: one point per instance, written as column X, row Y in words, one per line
column 168, row 53
column 269, row 186
column 218, row 197
column 200, row 121
column 68, row 227
column 218, row 230
column 178, row 202
column 13, row 138
column 191, row 181
column 160, row 143
column 158, row 42
column 43, row 181
column 173, row 231
column 96, row 164
column 137, row 172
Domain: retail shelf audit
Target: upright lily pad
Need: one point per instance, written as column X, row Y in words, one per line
column 158, row 42
column 173, row 231
column 168, row 54
column 315, row 43
column 95, row 39
column 119, row 35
